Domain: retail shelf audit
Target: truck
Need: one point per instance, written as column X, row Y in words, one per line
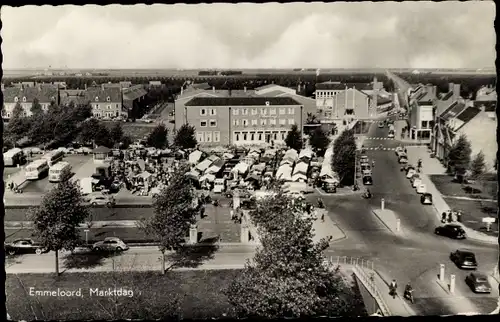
column 219, row 185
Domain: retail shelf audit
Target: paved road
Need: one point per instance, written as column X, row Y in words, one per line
column 401, row 87
column 416, row 256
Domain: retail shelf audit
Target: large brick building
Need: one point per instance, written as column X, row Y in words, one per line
column 25, row 95
column 242, row 120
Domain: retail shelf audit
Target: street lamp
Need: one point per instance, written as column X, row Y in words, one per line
column 86, row 236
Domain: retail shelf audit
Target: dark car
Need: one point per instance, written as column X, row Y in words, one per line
column 23, row 246
column 451, row 231
column 367, row 180
column 426, row 199
column 464, row 259
column 478, row 282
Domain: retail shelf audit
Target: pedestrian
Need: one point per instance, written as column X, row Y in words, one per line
column 443, row 217
column 323, row 217
column 450, row 217
column 393, row 289
column 406, row 151
column 459, row 216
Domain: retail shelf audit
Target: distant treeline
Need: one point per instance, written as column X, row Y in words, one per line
column 221, row 73
column 469, row 83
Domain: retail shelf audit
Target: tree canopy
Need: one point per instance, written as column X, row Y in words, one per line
column 158, row 137
column 36, row 108
column 344, row 157
column 319, row 140
column 89, row 130
column 293, row 139
column 185, row 137
column 478, row 165
column 18, row 125
column 173, row 214
column 286, row 277
column 116, row 132
column 459, row 156
column 57, row 218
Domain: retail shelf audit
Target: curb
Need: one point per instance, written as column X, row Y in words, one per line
column 383, row 222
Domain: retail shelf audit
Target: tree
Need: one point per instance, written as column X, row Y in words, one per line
column 89, row 130
column 294, row 138
column 287, row 277
column 158, row 137
column 312, row 119
column 459, row 156
column 56, row 220
column 103, row 137
column 185, row 137
column 17, row 125
column 116, row 132
column 318, row 139
column 344, row 157
column 36, row 108
column 478, row 165
column 173, row 214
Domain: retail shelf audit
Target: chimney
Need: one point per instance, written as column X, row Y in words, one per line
column 245, row 89
column 213, row 89
column 456, row 91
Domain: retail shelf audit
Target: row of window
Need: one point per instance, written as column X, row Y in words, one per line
column 16, row 99
column 259, row 136
column 427, row 124
column 326, row 94
column 207, row 137
column 211, row 111
column 254, row 111
column 107, row 114
column 205, row 123
column 108, row 99
column 263, row 122
column 107, row 106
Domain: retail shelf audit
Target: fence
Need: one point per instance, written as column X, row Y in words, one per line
column 364, row 270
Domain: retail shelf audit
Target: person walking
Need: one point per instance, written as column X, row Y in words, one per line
column 393, row 289
column 323, row 217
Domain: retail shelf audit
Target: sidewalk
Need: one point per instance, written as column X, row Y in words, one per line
column 390, row 219
column 95, row 224
column 438, row 202
column 323, row 229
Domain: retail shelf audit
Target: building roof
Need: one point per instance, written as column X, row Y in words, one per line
column 133, row 92
column 241, row 101
column 489, row 106
column 447, row 96
column 201, row 86
column 383, row 100
column 102, row 94
column 468, row 114
column 453, row 110
column 265, row 86
column 44, row 94
column 101, row 149
column 426, row 96
column 341, row 86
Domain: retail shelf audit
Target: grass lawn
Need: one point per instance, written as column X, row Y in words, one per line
column 448, row 188
column 188, row 294
column 473, row 211
column 136, row 131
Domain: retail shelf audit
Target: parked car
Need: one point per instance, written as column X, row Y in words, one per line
column 23, row 246
column 421, row 188
column 364, row 159
column 415, row 182
column 367, row 180
column 403, row 158
column 464, row 259
column 110, row 244
column 410, row 173
column 478, row 282
column 399, row 150
column 426, row 199
column 102, row 200
column 451, row 231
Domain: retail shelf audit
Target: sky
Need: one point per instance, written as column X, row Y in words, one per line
column 298, row 35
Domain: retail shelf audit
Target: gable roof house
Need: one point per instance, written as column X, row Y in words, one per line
column 25, row 97
column 132, row 96
column 106, row 101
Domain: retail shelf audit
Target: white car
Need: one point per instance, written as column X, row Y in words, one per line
column 421, row 189
column 101, row 200
column 410, row 173
column 399, row 150
column 416, row 183
column 110, row 244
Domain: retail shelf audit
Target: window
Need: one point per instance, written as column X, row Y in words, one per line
column 262, row 122
column 237, row 136
column 424, row 124
column 203, row 123
column 97, row 106
column 291, row 121
column 109, row 107
column 272, row 111
column 208, row 136
column 245, row 122
column 245, row 136
column 213, row 123
column 24, row 99
column 236, row 112
column 16, row 99
column 117, row 106
column 283, row 135
column 282, row 121
column 254, row 111
column 244, row 111
column 263, row 111
column 272, row 121
column 291, row 110
column 254, row 122
column 282, row 111
column 275, row 135
column 108, row 99
column 213, row 111
column 97, row 99
column 216, row 136
column 236, row 122
column 260, row 136
column 200, row 136
column 203, row 112
column 252, row 136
